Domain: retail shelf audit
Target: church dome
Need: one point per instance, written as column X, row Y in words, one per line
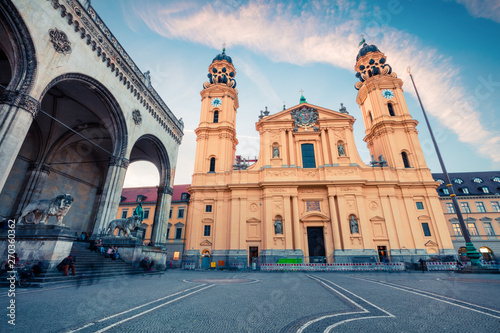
column 365, row 49
column 223, row 56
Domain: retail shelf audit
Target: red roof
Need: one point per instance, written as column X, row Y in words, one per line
column 131, row 193
column 151, row 193
column 178, row 190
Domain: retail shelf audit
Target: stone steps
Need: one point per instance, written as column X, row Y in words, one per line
column 90, row 267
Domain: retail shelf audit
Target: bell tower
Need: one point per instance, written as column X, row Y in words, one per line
column 216, row 133
column 389, row 128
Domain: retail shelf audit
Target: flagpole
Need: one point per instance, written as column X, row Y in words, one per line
column 471, row 250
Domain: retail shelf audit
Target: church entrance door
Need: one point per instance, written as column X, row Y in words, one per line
column 316, row 242
column 254, row 254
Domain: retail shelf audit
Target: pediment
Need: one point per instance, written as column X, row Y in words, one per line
column 253, row 220
column 431, row 244
column 377, row 219
column 206, row 242
column 314, row 217
column 323, row 114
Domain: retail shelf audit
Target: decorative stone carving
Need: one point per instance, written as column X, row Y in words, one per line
column 119, row 161
column 253, row 207
column 42, row 209
column 136, row 115
column 126, row 225
column 312, row 206
column 373, row 205
column 60, row 41
column 22, row 101
column 304, row 117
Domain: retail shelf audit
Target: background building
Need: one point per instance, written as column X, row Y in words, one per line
column 478, row 194
column 175, row 233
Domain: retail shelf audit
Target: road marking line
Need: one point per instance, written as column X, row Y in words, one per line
column 328, row 329
column 360, row 298
column 152, row 309
column 410, row 290
column 135, row 308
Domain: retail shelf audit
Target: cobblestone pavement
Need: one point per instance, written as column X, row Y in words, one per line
column 211, row 301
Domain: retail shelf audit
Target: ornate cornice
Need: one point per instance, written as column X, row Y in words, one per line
column 20, row 100
column 121, row 162
column 96, row 34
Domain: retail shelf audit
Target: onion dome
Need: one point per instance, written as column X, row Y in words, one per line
column 371, row 62
column 221, row 71
column 223, row 56
column 365, row 49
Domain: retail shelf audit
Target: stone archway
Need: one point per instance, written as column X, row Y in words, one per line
column 76, row 145
column 150, row 148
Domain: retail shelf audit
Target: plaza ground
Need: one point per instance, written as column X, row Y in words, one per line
column 212, row 301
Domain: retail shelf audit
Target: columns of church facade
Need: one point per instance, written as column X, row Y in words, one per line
column 162, row 210
column 291, row 148
column 326, row 153
column 234, row 232
column 16, row 115
column 287, row 222
column 283, row 150
column 111, row 194
column 337, row 245
column 297, row 232
column 389, row 213
column 333, row 144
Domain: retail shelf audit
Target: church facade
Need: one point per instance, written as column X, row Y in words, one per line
column 309, row 195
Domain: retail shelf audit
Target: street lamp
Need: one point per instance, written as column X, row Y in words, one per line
column 471, row 250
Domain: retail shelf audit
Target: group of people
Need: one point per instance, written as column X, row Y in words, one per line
column 146, row 264
column 111, row 252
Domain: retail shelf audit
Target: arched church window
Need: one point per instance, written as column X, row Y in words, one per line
column 371, row 117
column 216, row 116
column 212, row 164
column 391, row 109
column 406, row 161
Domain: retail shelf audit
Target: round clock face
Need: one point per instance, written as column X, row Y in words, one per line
column 216, row 101
column 387, row 93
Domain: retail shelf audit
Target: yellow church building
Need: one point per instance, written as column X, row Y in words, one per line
column 309, row 195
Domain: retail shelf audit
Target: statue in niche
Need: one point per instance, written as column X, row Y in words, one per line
column 354, row 225
column 341, row 149
column 276, row 152
column 278, row 227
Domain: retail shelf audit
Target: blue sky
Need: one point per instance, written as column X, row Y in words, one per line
column 281, row 47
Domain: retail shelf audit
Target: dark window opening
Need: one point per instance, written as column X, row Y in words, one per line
column 208, row 208
column 420, row 205
column 212, row 164
column 216, row 116
column 391, row 109
column 406, row 162
column 427, row 231
column 308, row 160
column 178, row 233
column 206, row 231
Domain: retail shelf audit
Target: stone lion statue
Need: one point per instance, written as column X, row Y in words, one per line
column 42, row 209
column 127, row 225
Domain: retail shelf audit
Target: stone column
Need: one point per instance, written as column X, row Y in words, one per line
column 111, row 193
column 160, row 221
column 291, row 148
column 337, row 245
column 17, row 112
column 296, row 224
column 325, row 149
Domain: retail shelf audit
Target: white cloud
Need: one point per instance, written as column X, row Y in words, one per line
column 489, row 9
column 305, row 35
